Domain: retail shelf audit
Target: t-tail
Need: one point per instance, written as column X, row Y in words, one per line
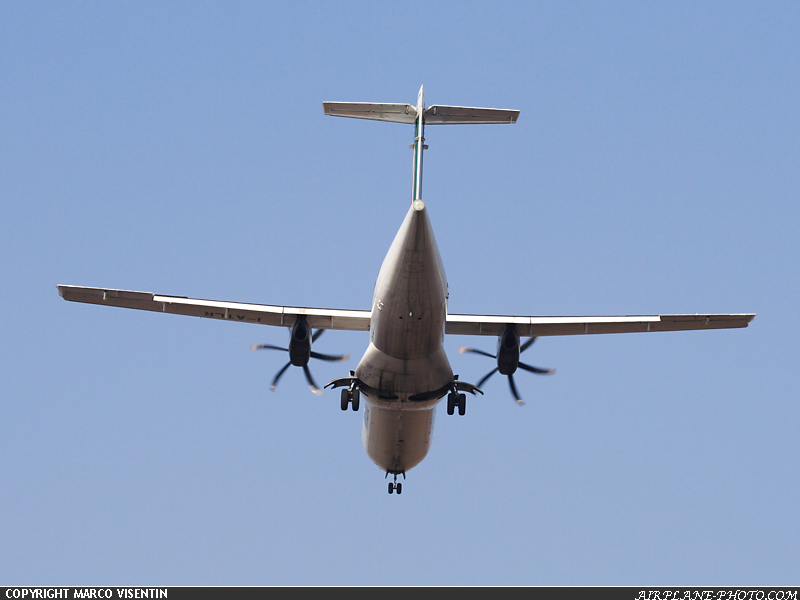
column 420, row 116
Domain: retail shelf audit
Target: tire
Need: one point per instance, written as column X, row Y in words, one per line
column 450, row 406
column 391, row 488
column 345, row 398
column 399, row 488
column 462, row 404
column 356, row 399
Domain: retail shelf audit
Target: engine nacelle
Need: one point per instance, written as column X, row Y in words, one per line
column 300, row 343
column 508, row 350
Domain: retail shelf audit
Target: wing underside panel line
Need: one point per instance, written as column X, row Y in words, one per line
column 359, row 320
column 545, row 326
column 263, row 314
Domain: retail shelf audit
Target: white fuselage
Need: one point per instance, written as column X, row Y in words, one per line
column 405, row 361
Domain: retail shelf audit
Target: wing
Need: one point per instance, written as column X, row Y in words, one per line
column 318, row 318
column 536, row 326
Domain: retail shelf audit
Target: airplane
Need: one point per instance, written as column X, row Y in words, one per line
column 405, row 372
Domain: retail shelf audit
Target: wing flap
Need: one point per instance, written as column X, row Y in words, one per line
column 263, row 314
column 544, row 326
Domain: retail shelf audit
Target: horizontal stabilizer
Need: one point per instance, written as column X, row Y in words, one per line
column 394, row 113
column 466, row 115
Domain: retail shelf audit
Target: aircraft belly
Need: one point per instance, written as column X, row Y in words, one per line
column 410, row 301
column 397, row 379
column 410, row 329
column 396, row 440
column 404, row 371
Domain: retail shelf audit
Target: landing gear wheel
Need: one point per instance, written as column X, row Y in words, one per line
column 454, row 401
column 394, row 486
column 349, row 396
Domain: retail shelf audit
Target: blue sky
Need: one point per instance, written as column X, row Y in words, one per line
column 182, row 149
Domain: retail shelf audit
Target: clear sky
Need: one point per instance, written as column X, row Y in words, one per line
column 181, row 148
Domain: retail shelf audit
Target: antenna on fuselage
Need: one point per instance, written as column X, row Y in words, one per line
column 420, row 116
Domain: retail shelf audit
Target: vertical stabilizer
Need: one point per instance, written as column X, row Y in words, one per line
column 418, row 146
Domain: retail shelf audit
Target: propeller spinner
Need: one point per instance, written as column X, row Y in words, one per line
column 508, row 351
column 300, row 352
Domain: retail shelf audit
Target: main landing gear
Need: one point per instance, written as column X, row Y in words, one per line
column 351, row 396
column 394, row 486
column 456, row 400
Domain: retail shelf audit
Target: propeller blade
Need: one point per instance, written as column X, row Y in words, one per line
column 489, row 374
column 278, row 376
column 476, row 351
column 329, row 357
column 526, row 345
column 521, row 365
column 311, row 381
column 536, row 370
column 267, row 347
column 514, row 390
column 313, row 384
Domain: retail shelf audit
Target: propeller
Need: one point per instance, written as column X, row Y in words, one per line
column 300, row 352
column 508, row 351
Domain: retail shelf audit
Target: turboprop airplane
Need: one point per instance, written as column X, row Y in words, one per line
column 404, row 372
